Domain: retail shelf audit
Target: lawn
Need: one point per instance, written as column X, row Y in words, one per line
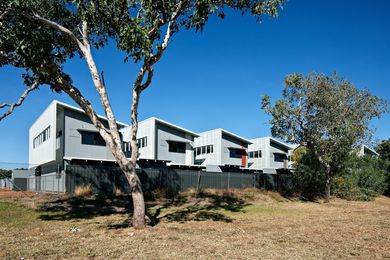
column 249, row 225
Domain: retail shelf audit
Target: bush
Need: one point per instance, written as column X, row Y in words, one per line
column 385, row 165
column 308, row 177
column 83, row 190
column 362, row 178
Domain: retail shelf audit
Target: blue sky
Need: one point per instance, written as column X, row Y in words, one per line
column 215, row 79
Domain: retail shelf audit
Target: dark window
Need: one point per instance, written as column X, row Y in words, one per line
column 280, row 157
column 92, row 138
column 127, row 149
column 142, row 142
column 42, row 137
column 235, row 153
column 177, row 147
column 204, row 149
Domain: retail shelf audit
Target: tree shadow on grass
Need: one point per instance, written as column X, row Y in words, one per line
column 209, row 206
column 199, row 207
column 204, row 206
column 85, row 208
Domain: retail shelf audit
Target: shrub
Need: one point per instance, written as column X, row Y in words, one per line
column 362, row 178
column 308, row 177
column 385, row 165
column 83, row 190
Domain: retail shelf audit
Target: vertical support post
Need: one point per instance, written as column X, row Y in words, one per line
column 198, row 182
column 228, row 181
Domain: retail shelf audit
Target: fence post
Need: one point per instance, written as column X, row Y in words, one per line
column 198, row 183
column 228, row 181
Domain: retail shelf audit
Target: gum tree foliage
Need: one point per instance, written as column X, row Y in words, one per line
column 326, row 114
column 5, row 173
column 383, row 148
column 361, row 178
column 40, row 36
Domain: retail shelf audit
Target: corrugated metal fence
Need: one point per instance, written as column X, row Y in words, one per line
column 52, row 182
column 109, row 180
column 6, row 183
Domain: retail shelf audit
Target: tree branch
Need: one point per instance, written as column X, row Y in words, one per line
column 84, row 31
column 154, row 58
column 34, row 86
column 138, row 86
column 84, row 104
column 100, row 88
column 56, row 26
column 3, row 14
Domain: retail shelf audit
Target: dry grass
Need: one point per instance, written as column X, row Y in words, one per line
column 214, row 225
column 84, row 190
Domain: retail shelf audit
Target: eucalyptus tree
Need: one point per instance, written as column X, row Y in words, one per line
column 41, row 35
column 327, row 115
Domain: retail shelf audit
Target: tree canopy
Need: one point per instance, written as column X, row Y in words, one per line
column 5, row 173
column 327, row 114
column 383, row 149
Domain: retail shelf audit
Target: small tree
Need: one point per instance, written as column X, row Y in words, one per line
column 383, row 148
column 40, row 36
column 328, row 115
column 361, row 178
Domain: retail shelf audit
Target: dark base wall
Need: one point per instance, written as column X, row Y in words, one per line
column 109, row 180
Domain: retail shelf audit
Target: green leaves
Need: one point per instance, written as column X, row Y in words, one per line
column 326, row 113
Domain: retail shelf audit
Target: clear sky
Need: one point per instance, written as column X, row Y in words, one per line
column 215, row 79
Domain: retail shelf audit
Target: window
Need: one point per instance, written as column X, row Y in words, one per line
column 236, row 153
column 126, row 147
column 142, row 142
column 254, row 154
column 92, row 138
column 206, row 149
column 58, row 143
column 41, row 137
column 280, row 157
column 177, row 147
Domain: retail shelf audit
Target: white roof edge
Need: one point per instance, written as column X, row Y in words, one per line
column 88, row 159
column 228, row 133
column 82, row 111
column 172, row 125
column 281, row 143
column 236, row 136
column 275, row 140
column 369, row 148
column 183, row 164
column 40, row 115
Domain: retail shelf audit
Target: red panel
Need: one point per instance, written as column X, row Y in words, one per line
column 243, row 156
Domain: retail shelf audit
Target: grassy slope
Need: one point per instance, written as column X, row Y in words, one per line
column 202, row 228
